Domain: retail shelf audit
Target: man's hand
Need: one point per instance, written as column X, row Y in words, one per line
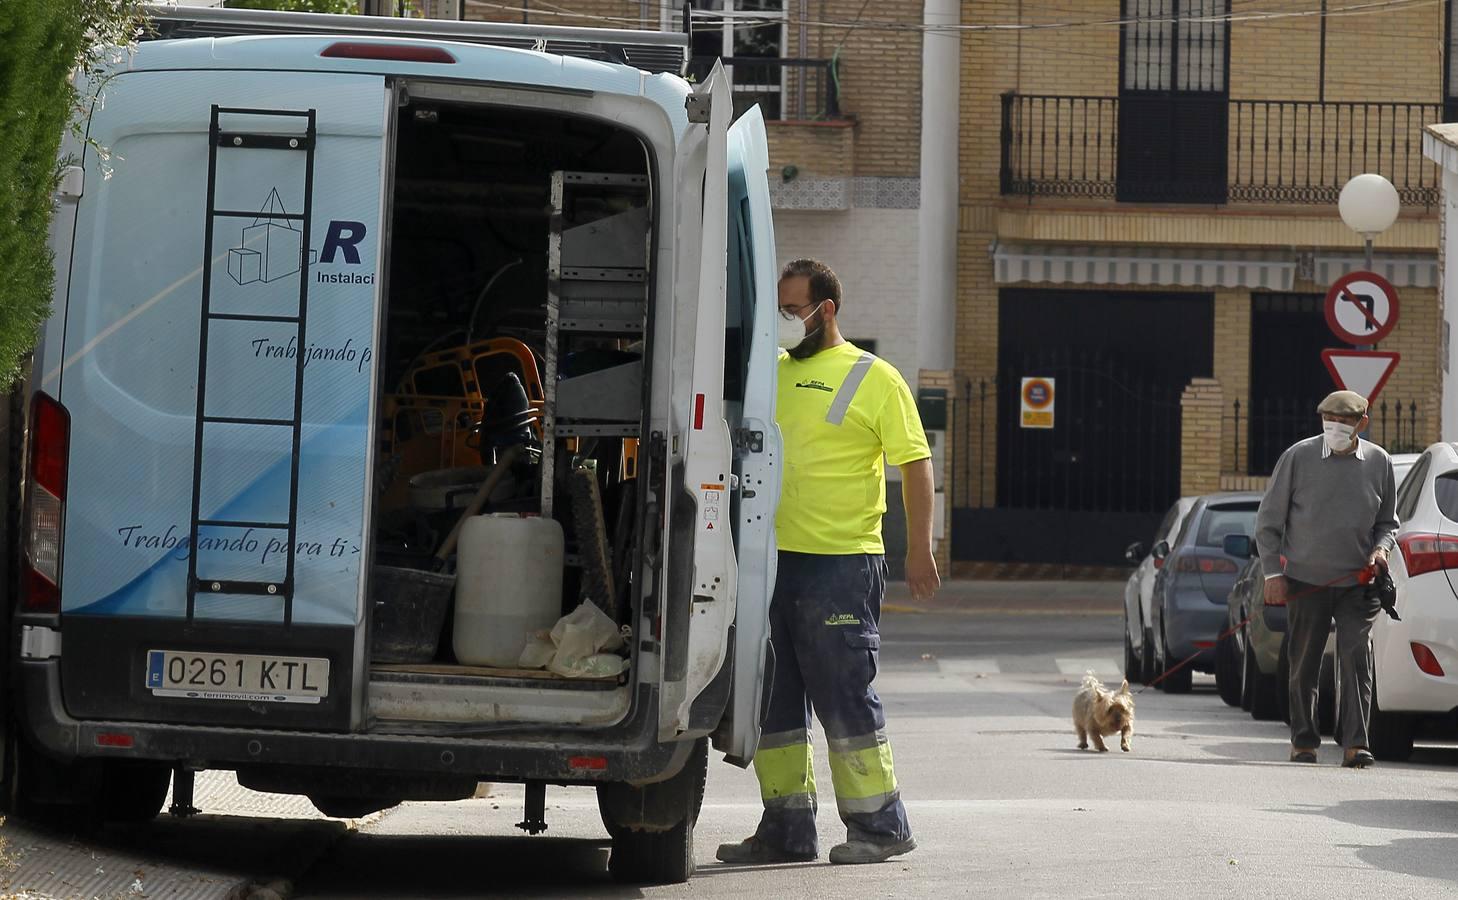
column 1379, row 559
column 1276, row 589
column 921, row 575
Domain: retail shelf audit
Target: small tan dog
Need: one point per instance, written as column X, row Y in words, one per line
column 1098, row 712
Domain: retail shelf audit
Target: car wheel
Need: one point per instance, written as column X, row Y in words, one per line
column 1263, row 705
column 1227, row 676
column 1133, row 665
column 1247, row 684
column 1390, row 735
column 1146, row 658
column 1175, row 681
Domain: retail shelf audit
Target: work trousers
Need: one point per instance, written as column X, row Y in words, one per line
column 1311, row 612
column 824, row 627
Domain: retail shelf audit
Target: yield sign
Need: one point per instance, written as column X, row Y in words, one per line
column 1363, row 371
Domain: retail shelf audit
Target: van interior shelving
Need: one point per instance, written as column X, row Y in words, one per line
column 511, row 385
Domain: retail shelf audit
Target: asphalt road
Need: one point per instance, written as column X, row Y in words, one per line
column 1001, row 800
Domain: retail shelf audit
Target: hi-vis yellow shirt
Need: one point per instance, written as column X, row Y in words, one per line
column 839, row 412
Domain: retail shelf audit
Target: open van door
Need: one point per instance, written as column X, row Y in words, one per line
column 696, row 628
column 753, row 304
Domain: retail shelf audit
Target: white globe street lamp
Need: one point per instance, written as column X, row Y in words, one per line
column 1369, row 205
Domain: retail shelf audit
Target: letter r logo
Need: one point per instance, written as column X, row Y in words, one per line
column 343, row 235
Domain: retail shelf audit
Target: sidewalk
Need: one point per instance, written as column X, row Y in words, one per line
column 1083, row 598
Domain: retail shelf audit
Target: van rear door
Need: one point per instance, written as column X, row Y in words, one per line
column 699, row 623
column 249, row 204
column 757, row 446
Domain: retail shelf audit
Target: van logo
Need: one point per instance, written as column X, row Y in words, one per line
column 272, row 247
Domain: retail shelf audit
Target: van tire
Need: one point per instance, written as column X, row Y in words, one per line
column 663, row 856
column 133, row 792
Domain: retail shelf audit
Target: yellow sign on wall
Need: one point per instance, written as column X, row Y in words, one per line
column 1037, row 398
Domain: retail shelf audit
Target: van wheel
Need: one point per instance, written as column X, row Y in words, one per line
column 644, row 850
column 132, row 792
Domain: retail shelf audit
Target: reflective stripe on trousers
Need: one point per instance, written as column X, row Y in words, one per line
column 824, row 627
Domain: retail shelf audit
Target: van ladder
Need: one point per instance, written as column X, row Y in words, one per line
column 296, row 142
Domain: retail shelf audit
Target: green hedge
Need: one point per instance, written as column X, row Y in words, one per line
column 40, row 41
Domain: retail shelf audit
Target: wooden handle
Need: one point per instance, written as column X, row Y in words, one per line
column 448, row 546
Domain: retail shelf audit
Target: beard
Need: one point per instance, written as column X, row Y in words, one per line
column 813, row 343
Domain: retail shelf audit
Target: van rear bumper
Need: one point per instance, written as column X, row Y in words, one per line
column 629, row 752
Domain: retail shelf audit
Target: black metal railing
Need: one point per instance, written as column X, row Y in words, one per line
column 1059, row 146
column 1260, row 431
column 1284, row 151
column 784, row 89
column 1277, row 151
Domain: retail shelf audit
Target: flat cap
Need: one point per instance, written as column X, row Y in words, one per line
column 1343, row 403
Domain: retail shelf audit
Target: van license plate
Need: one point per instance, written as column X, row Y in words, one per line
column 235, row 676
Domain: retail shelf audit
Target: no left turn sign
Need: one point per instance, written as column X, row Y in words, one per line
column 1361, row 308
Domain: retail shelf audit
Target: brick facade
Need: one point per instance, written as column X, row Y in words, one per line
column 1273, row 59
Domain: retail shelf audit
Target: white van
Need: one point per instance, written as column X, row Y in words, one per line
column 347, row 289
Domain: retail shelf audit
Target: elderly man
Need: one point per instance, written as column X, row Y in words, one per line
column 1329, row 512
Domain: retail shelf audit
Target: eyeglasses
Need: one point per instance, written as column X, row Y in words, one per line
column 791, row 313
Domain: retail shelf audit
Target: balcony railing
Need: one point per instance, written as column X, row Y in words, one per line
column 1276, row 151
column 785, row 89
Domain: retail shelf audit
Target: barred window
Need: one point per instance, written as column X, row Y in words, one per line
column 1174, row 45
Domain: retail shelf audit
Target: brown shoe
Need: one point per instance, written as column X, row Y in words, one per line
column 1357, row 758
column 1299, row 755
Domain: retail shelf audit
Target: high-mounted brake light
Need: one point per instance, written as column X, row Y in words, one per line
column 50, row 444
column 421, row 53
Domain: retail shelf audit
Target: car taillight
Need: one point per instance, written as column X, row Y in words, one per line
column 1428, row 552
column 49, row 452
column 1425, row 659
column 1209, row 565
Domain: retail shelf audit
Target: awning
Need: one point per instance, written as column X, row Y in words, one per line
column 1112, row 265
column 1418, row 270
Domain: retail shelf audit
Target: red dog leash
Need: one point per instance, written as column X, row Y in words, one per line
column 1363, row 575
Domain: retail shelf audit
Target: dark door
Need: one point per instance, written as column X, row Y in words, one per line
column 1173, row 101
column 1287, row 377
column 1080, row 492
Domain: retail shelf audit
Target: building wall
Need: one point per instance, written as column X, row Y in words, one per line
column 874, row 253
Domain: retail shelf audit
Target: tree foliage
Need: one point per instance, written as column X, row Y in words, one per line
column 42, row 44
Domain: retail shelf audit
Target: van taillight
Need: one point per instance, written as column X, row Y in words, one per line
column 50, row 440
column 422, row 53
column 1425, row 553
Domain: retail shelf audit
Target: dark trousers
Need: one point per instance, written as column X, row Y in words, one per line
column 824, row 627
column 1311, row 613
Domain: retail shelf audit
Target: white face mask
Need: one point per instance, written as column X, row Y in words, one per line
column 1338, row 435
column 792, row 330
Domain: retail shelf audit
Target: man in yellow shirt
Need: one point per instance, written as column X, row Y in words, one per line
column 841, row 411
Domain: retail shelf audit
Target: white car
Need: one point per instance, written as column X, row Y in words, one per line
column 1139, row 593
column 1415, row 661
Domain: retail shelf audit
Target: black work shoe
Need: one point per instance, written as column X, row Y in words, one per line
column 1302, row 756
column 1358, row 758
column 755, row 852
column 860, row 852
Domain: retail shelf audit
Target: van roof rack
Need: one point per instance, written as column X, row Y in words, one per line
column 651, row 51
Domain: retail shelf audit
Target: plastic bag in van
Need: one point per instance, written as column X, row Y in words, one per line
column 580, row 645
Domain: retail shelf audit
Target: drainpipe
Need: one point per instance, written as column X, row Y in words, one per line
column 940, row 113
